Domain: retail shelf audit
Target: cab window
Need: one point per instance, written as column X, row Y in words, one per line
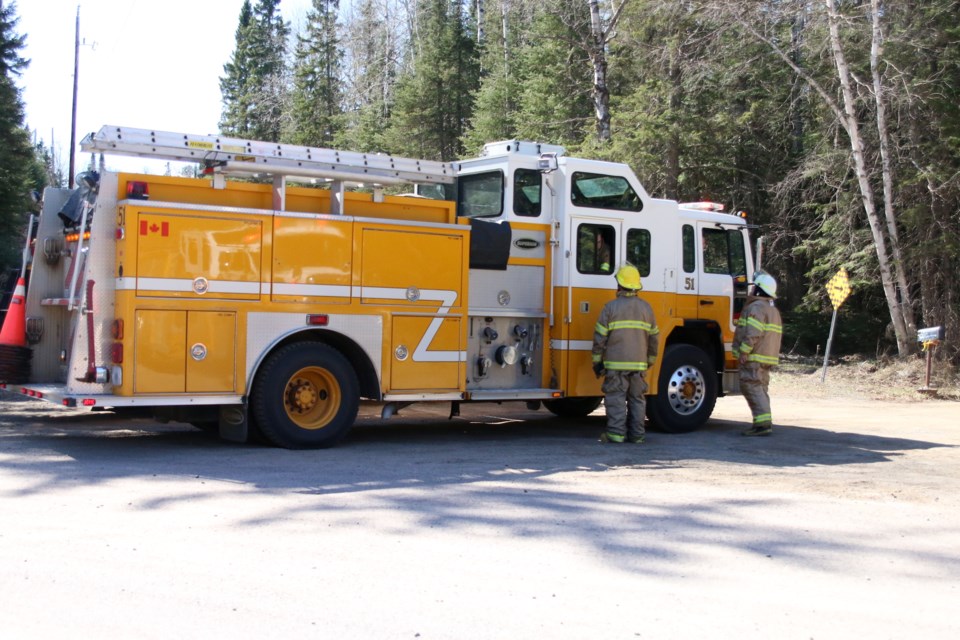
column 603, row 192
column 480, row 195
column 526, row 192
column 436, row 191
column 638, row 250
column 689, row 240
column 595, row 243
column 723, row 252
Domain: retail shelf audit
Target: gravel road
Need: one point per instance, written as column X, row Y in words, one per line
column 502, row 523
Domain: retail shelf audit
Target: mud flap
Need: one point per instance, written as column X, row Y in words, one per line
column 234, row 422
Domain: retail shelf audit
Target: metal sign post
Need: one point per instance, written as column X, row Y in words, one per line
column 838, row 289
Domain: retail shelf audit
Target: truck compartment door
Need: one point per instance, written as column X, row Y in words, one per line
column 420, row 276
column 194, row 256
column 184, row 351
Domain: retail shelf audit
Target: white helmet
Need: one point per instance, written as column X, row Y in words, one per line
column 766, row 283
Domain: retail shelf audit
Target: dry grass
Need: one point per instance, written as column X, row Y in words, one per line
column 889, row 379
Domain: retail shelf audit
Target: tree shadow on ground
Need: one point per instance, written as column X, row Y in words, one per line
column 417, row 447
column 516, row 474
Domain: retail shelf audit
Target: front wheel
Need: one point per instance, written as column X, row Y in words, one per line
column 686, row 390
column 305, row 396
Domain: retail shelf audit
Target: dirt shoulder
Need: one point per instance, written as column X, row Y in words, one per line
column 869, row 379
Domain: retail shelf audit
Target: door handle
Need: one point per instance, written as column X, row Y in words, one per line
column 703, row 303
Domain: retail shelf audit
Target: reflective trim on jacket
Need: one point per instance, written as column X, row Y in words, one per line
column 626, row 337
column 758, row 334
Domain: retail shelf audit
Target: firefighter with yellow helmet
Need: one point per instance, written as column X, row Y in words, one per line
column 625, row 344
column 756, row 343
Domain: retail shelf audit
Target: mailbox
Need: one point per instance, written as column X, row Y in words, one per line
column 930, row 334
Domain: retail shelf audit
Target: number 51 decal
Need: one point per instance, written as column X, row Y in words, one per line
column 688, row 284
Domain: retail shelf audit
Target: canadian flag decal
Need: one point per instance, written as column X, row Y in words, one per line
column 149, row 228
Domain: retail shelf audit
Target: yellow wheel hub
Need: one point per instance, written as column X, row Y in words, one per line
column 688, row 390
column 312, row 398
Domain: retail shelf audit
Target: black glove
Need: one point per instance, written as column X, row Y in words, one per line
column 598, row 369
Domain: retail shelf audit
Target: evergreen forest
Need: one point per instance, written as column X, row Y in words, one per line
column 23, row 165
column 834, row 124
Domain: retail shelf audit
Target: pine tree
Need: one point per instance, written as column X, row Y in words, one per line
column 234, row 119
column 698, row 110
column 20, row 173
column 496, row 108
column 254, row 85
column 554, row 78
column 434, row 99
column 316, row 99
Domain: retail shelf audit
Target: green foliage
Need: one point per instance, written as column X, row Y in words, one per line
column 370, row 76
column 806, row 333
column 316, row 103
column 496, row 107
column 710, row 100
column 253, row 86
column 434, row 99
column 20, row 171
column 555, row 83
column 494, row 111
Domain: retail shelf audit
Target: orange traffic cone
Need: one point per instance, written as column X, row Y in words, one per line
column 14, row 331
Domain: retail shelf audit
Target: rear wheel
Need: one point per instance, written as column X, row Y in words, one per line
column 572, row 407
column 686, row 390
column 306, row 395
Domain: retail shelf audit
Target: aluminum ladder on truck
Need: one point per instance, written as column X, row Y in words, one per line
column 222, row 156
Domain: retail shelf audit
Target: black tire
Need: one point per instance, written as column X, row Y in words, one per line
column 572, row 407
column 306, row 396
column 686, row 390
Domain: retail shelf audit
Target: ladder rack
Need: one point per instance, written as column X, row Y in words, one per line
column 234, row 156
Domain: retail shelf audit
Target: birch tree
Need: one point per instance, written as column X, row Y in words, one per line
column 373, row 51
column 496, row 104
column 592, row 26
column 603, row 26
column 845, row 110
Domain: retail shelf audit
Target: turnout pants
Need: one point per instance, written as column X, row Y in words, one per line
column 624, row 401
column 755, row 385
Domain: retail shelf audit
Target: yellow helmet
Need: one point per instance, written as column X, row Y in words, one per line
column 629, row 278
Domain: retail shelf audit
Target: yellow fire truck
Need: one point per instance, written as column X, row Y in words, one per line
column 283, row 286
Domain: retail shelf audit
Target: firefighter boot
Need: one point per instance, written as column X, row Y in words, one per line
column 607, row 437
column 759, row 429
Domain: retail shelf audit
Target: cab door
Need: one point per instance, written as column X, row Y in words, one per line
column 596, row 251
column 722, row 264
column 688, row 273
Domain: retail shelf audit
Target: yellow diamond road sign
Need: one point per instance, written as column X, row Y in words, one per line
column 838, row 288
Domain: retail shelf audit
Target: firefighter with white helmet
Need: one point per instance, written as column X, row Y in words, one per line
column 756, row 344
column 625, row 344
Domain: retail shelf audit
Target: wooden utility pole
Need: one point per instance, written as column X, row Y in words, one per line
column 73, row 118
